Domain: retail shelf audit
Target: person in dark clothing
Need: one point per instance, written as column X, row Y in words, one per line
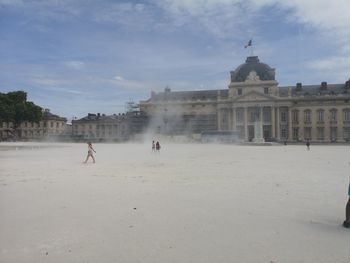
column 158, row 146
column 346, row 223
column 308, row 144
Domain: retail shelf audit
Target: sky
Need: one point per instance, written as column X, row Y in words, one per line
column 88, row 56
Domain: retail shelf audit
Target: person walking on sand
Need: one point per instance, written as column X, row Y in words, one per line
column 153, row 147
column 308, row 144
column 346, row 223
column 90, row 154
column 158, row 146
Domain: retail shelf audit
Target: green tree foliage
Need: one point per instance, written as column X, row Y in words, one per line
column 15, row 108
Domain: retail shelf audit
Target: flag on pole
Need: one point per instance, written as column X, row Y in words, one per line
column 249, row 44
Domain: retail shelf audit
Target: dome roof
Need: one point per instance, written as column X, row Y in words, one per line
column 262, row 70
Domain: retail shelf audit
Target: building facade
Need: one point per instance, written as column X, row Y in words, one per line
column 116, row 127
column 51, row 126
column 256, row 108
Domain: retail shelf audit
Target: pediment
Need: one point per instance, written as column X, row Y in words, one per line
column 254, row 96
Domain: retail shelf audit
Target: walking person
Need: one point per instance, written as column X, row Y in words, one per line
column 90, row 152
column 346, row 223
column 158, row 147
column 153, row 147
column 308, row 144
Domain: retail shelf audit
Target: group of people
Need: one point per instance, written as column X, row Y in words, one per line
column 156, row 148
column 91, row 150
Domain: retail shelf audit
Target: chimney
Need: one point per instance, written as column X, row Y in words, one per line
column 347, row 84
column 299, row 86
column 323, row 85
column 153, row 93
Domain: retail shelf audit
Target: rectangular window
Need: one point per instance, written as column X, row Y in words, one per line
column 320, row 116
column 307, row 133
column 333, row 115
column 267, row 114
column 295, row 116
column 239, row 91
column 296, row 134
column 307, row 116
column 346, row 133
column 283, row 116
column 284, row 133
column 252, row 116
column 347, row 115
column 224, row 118
column 320, row 133
column 266, row 90
column 333, row 134
column 239, row 115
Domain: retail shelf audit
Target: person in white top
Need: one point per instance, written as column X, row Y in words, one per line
column 90, row 152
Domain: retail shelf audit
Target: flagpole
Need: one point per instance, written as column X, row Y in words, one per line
column 251, row 49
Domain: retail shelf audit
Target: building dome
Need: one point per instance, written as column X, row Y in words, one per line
column 262, row 70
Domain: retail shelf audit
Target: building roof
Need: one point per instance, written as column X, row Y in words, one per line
column 322, row 89
column 264, row 71
column 47, row 115
column 102, row 117
column 189, row 95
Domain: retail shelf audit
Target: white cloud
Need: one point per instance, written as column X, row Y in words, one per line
column 119, row 78
column 337, row 66
column 220, row 15
column 74, row 64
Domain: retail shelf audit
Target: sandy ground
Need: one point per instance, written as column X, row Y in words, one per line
column 190, row 203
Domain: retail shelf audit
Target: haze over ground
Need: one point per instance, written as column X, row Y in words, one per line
column 190, row 203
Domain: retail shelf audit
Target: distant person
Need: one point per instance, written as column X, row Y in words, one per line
column 308, row 144
column 346, row 223
column 90, row 152
column 153, row 146
column 158, row 146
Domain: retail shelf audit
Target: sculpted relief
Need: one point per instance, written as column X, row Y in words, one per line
column 252, row 77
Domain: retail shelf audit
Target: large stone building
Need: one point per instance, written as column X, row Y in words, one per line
column 256, row 108
column 116, row 127
column 51, row 126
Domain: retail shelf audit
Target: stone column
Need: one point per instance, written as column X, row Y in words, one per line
column 230, row 119
column 246, row 124
column 290, row 130
column 340, row 125
column 273, row 123
column 258, row 127
column 278, row 132
column 234, row 126
column 219, row 119
column 327, row 126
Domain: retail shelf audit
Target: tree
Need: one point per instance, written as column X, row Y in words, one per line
column 15, row 108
